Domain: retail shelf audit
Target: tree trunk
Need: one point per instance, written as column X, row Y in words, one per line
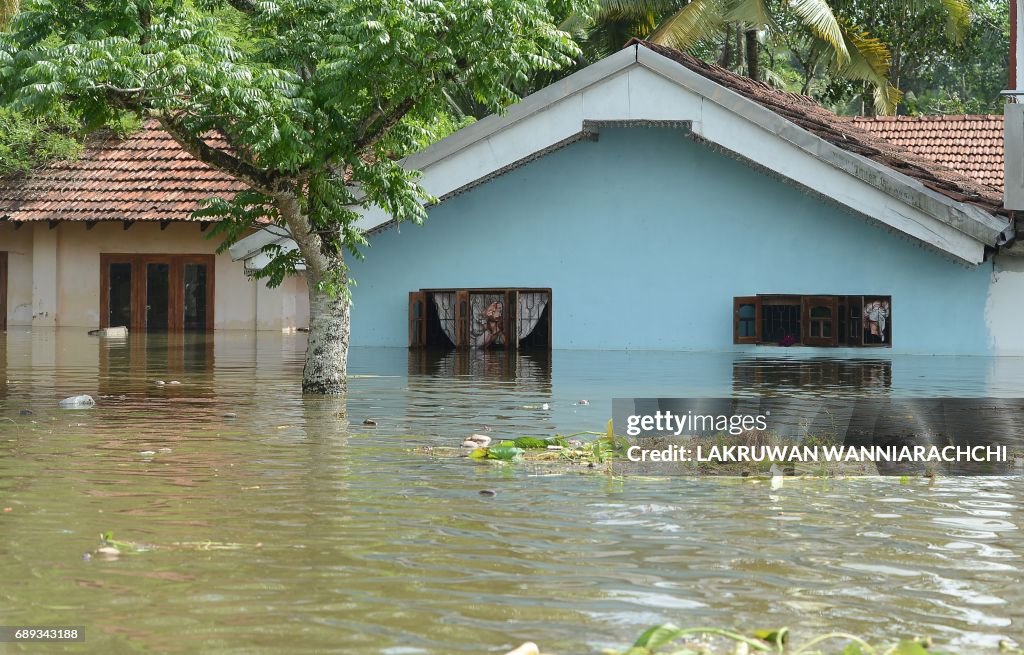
column 330, row 326
column 326, row 368
column 752, row 55
column 725, row 59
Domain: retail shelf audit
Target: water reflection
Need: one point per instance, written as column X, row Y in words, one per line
column 773, row 376
column 352, row 542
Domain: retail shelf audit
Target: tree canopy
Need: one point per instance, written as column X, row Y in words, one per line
column 309, row 102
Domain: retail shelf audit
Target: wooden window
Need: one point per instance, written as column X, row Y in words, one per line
column 157, row 292
column 780, row 319
column 818, row 314
column 746, row 319
column 486, row 318
column 417, row 319
column 786, row 320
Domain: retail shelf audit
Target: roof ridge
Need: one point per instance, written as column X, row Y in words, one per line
column 930, row 117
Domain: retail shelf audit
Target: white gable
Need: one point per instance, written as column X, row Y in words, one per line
column 636, row 84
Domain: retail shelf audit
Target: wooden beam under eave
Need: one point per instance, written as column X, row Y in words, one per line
column 164, row 224
column 17, row 224
column 204, row 225
column 54, row 224
column 90, row 224
column 128, row 224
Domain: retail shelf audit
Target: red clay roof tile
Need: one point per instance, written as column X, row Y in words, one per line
column 146, row 177
column 972, row 145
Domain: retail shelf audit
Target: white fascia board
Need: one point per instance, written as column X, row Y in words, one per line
column 964, row 217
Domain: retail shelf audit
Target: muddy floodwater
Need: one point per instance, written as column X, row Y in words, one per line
column 326, row 535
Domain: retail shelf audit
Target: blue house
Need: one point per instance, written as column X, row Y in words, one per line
column 653, row 201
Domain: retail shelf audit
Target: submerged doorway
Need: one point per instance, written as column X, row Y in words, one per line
column 157, row 292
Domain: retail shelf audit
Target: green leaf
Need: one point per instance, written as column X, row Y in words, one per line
column 659, row 635
column 909, row 647
column 697, row 21
column 853, row 648
column 777, row 637
column 503, row 452
column 818, row 17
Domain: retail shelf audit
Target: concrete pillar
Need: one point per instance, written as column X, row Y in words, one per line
column 269, row 307
column 44, row 275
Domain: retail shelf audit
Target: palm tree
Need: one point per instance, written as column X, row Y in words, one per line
column 855, row 54
column 7, row 10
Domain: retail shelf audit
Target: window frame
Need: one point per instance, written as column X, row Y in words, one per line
column 463, row 313
column 841, row 321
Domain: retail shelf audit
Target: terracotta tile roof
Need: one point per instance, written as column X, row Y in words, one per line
column 843, row 132
column 972, row 145
column 146, row 177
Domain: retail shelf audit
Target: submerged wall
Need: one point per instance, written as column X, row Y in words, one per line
column 646, row 236
column 54, row 275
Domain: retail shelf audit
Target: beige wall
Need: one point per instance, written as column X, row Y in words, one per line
column 18, row 244
column 54, row 275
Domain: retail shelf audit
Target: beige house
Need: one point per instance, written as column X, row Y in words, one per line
column 109, row 240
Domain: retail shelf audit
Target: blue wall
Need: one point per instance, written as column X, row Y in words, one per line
column 645, row 237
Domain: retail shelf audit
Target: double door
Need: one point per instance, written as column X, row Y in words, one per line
column 157, row 292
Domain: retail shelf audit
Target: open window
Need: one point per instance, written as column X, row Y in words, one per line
column 495, row 319
column 827, row 320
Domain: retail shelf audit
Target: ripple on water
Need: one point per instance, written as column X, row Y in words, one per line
column 348, row 542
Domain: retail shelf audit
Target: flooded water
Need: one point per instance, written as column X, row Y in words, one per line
column 350, row 541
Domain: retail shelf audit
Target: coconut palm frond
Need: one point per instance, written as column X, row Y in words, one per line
column 817, row 16
column 887, row 97
column 958, row 19
column 754, row 13
column 633, row 7
column 869, row 60
column 697, row 21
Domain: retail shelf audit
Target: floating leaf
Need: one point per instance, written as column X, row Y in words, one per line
column 503, row 452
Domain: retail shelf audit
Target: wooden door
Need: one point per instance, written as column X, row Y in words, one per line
column 157, row 292
column 3, row 290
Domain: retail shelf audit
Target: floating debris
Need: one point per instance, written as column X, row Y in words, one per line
column 369, row 422
column 159, row 383
column 77, row 402
column 476, row 441
column 583, row 403
column 529, row 648
column 488, row 492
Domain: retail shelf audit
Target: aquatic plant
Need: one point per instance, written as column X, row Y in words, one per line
column 668, row 639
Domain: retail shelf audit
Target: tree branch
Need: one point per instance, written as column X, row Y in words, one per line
column 257, row 178
column 379, row 122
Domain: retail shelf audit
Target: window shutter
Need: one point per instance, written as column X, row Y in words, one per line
column 746, row 319
column 511, row 319
column 462, row 318
column 819, row 315
column 417, row 319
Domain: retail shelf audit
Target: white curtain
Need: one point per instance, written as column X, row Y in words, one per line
column 445, row 303
column 531, row 307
